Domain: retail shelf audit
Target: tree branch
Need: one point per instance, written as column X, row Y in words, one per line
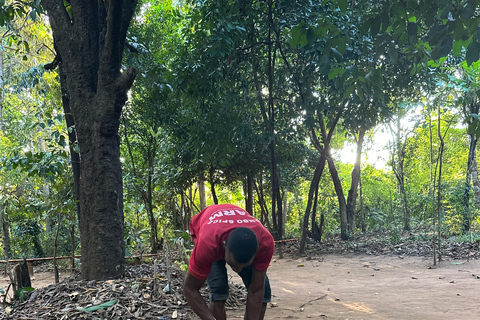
column 58, row 16
column 119, row 13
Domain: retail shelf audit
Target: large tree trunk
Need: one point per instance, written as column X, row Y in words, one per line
column 90, row 38
column 352, row 193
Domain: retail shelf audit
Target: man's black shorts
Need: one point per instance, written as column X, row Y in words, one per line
column 218, row 282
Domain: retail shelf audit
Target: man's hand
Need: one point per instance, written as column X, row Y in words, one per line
column 191, row 289
column 255, row 307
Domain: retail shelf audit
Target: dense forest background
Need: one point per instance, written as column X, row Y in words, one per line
column 319, row 117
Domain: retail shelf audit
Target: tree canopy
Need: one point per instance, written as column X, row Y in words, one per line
column 114, row 114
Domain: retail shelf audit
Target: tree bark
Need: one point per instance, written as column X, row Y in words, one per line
column 212, row 184
column 471, row 164
column 439, row 192
column 1, row 86
column 316, row 233
column 90, row 40
column 362, row 211
column 352, row 193
column 399, row 174
column 4, row 221
column 342, row 204
column 475, row 181
column 317, row 174
column 249, row 195
column 201, row 194
column 263, row 206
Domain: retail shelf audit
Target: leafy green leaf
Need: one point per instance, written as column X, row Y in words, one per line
column 375, row 26
column 457, row 48
column 100, row 306
column 335, row 72
column 393, row 53
column 468, row 11
column 311, row 35
column 472, row 127
column 412, row 28
column 296, row 34
column 343, row 4
column 446, row 46
column 473, row 52
column 349, row 91
column 437, row 33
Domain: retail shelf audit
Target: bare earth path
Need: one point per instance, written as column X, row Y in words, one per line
column 358, row 287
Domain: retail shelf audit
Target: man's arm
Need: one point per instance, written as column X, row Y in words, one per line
column 255, row 296
column 191, row 289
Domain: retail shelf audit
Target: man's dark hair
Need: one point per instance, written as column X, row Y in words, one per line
column 243, row 244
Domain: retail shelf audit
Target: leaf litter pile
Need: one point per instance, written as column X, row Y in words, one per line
column 408, row 244
column 139, row 295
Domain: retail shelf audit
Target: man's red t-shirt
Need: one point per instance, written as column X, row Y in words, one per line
column 211, row 227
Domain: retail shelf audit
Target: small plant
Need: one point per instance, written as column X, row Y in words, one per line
column 20, row 293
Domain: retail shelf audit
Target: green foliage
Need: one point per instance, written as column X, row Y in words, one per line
column 20, row 293
column 196, row 111
column 98, row 306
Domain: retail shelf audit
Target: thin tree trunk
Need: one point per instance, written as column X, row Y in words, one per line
column 342, row 204
column 249, row 195
column 352, row 193
column 1, row 86
column 475, row 181
column 72, row 241
column 211, row 173
column 263, row 206
column 5, row 228
column 151, row 216
column 362, row 211
column 399, row 174
column 471, row 163
column 317, row 174
column 55, row 248
column 201, row 194
column 439, row 188
column 316, row 234
column 439, row 192
column 432, row 180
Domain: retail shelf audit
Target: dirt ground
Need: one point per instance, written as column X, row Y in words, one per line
column 358, row 287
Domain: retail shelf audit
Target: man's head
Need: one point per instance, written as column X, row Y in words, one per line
column 241, row 247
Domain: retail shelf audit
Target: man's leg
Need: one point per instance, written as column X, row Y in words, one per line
column 218, row 283
column 217, row 308
column 246, row 275
column 262, row 312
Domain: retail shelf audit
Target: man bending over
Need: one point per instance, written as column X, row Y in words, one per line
column 228, row 234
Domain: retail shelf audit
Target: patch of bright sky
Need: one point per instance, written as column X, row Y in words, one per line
column 376, row 150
